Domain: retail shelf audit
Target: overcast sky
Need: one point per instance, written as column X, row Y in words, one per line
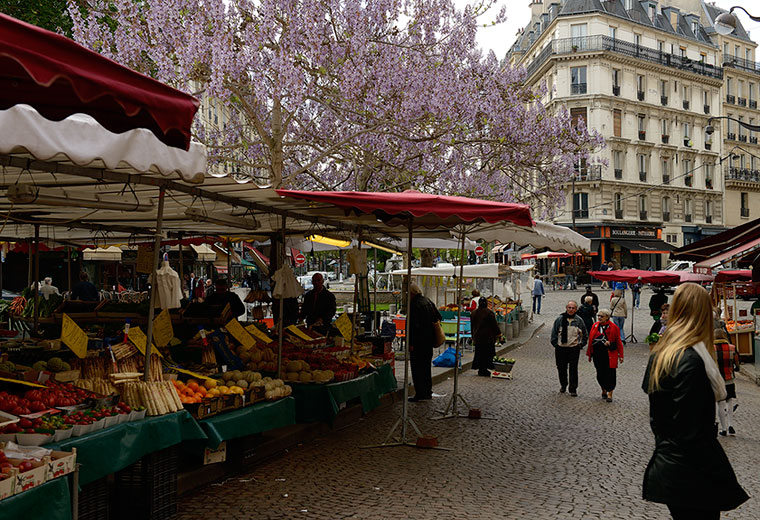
column 501, row 37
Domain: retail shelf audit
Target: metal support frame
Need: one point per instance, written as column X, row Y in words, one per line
column 152, row 306
column 280, row 321
column 631, row 337
column 36, row 277
column 375, row 321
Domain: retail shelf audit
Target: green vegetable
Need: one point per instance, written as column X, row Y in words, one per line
column 652, row 338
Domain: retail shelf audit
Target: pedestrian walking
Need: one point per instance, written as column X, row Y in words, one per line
column 606, row 350
column 604, row 267
column 485, row 332
column 568, row 337
column 537, row 292
column 636, row 290
column 728, row 363
column 619, row 311
column 594, row 298
column 661, row 321
column 422, row 318
column 587, row 312
column 689, row 471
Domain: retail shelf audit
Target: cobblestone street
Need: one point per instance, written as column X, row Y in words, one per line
column 548, row 455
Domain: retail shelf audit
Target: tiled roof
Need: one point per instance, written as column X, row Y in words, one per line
column 740, row 32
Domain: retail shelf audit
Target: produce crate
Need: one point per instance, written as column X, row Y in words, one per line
column 61, row 463
column 503, row 367
column 94, row 500
column 148, row 488
column 8, row 485
column 32, row 478
column 230, row 402
column 254, row 395
column 206, row 408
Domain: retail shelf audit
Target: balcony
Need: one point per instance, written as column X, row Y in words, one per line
column 752, row 104
column 708, row 219
column 687, row 142
column 730, row 98
column 688, row 181
column 599, row 43
column 745, row 212
column 664, row 100
column 581, row 213
column 743, row 138
column 643, row 176
column 642, row 215
column 740, row 63
column 731, row 136
column 578, row 88
column 708, row 183
column 708, row 146
column 616, row 90
column 666, row 179
column 742, row 102
column 619, row 214
column 687, row 218
column 665, row 138
column 707, row 109
column 753, row 140
column 686, row 105
column 743, row 174
column 640, row 95
column 642, row 135
column 618, row 173
column 666, row 216
column 589, row 173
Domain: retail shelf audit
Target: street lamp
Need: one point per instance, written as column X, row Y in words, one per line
column 709, row 128
column 725, row 23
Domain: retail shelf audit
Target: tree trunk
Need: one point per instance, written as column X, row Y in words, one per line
column 277, row 137
column 427, row 256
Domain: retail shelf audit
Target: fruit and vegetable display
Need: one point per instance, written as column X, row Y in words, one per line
column 652, row 338
column 23, row 468
column 54, row 364
column 506, row 361
column 55, row 394
column 158, row 397
column 740, row 325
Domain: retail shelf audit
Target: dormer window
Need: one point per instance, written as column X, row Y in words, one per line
column 695, row 28
column 652, row 12
column 628, row 4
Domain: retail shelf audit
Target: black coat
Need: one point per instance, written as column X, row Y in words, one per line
column 421, row 335
column 587, row 314
column 688, row 468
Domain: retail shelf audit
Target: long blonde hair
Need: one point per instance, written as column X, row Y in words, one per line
column 690, row 320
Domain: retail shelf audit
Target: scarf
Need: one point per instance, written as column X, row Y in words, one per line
column 563, row 330
column 717, row 382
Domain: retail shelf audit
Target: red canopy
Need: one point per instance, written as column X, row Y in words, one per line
column 428, row 210
column 59, row 77
column 633, row 275
column 688, row 276
column 740, row 275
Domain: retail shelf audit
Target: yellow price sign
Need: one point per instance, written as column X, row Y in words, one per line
column 163, row 332
column 73, row 337
column 344, row 325
column 298, row 332
column 27, row 383
column 138, row 337
column 238, row 332
column 144, row 259
column 257, row 333
column 192, row 374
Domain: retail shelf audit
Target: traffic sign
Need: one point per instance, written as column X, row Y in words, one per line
column 300, row 259
column 479, row 250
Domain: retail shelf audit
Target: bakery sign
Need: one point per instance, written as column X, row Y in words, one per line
column 633, row 233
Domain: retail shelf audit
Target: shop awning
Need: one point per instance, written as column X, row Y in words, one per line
column 111, row 253
column 205, row 252
column 735, row 275
column 645, row 247
column 59, row 77
column 722, row 246
column 634, row 275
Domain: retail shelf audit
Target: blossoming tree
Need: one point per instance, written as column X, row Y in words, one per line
column 349, row 94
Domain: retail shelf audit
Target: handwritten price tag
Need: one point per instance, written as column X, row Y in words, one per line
column 295, row 330
column 138, row 337
column 257, row 333
column 27, row 383
column 344, row 325
column 192, row 374
column 74, row 337
column 163, row 332
column 238, row 332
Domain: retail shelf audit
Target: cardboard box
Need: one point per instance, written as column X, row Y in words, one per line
column 32, row 478
column 215, row 456
column 8, row 485
column 61, row 463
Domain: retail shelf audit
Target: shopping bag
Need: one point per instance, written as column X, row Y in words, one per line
column 447, row 358
column 439, row 336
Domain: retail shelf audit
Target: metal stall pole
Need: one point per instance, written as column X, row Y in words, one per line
column 402, row 421
column 375, row 321
column 36, row 277
column 29, row 263
column 631, row 337
column 68, row 268
column 182, row 268
column 229, row 265
column 280, row 264
column 356, row 300
column 156, row 257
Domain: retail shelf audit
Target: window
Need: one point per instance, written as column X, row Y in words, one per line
column 652, row 12
column 618, row 205
column 708, row 211
column 688, row 176
column 615, row 77
column 729, row 86
column 709, row 170
column 686, row 130
column 666, row 209
column 578, row 80
column 725, row 48
column 642, row 123
column 629, row 4
column 695, row 27
column 642, row 207
column 578, row 32
column 740, row 88
column 637, row 39
column 748, row 54
column 751, row 92
column 661, row 46
column 617, row 122
column 705, row 98
column 686, row 94
column 702, row 57
column 671, row 238
column 683, row 52
column 666, row 171
column 663, row 88
column 613, row 32
column 745, row 204
column 580, row 205
column 736, row 51
column 577, row 115
column 687, row 210
column 665, row 127
column 642, row 160
column 640, row 82
column 617, row 161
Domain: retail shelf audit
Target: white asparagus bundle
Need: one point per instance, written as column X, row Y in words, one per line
column 174, row 395
column 124, row 350
column 207, row 355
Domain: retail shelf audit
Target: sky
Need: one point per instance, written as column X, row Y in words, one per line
column 500, row 38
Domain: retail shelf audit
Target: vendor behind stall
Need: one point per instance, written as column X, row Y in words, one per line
column 318, row 307
column 222, row 296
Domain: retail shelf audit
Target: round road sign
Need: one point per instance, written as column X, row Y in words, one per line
column 300, row 259
column 479, row 250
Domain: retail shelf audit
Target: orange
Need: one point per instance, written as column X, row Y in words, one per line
column 192, row 385
column 192, row 381
column 202, row 390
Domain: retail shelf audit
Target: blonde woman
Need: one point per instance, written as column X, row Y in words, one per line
column 619, row 311
column 689, row 470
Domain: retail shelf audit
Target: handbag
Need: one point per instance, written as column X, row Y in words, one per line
column 438, row 336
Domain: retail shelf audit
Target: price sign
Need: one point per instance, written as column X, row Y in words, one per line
column 344, row 325
column 258, row 333
column 163, row 332
column 26, row 383
column 191, row 374
column 300, row 259
column 138, row 337
column 238, row 332
column 479, row 251
column 295, row 330
column 73, row 337
column 144, row 259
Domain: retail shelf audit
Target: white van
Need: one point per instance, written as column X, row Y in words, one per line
column 680, row 265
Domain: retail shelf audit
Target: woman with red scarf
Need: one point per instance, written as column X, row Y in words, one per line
column 605, row 349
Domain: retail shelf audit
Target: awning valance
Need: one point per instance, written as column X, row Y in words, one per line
column 204, row 252
column 111, row 253
column 645, row 247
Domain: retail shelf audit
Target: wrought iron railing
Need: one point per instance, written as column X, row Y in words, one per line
column 745, row 212
column 740, row 63
column 666, row 216
column 578, row 88
column 742, row 174
column 589, row 173
column 730, row 98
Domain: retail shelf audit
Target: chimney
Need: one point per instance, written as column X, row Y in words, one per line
column 536, row 8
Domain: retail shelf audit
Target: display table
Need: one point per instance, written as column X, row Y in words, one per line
column 51, row 501
column 109, row 450
column 321, row 403
column 249, row 420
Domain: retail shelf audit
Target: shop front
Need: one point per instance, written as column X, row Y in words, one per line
column 630, row 246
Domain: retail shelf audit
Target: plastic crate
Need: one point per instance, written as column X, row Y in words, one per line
column 94, row 500
column 148, row 488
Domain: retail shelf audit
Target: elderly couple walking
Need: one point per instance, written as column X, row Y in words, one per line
column 571, row 333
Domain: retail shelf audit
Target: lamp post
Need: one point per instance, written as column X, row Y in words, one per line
column 709, row 128
column 725, row 23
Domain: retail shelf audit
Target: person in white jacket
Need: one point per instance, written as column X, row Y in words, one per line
column 619, row 311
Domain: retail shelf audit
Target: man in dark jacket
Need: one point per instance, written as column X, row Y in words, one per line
column 85, row 290
column 587, row 312
column 594, row 298
column 222, row 296
column 485, row 332
column 569, row 334
column 318, row 307
column 420, row 334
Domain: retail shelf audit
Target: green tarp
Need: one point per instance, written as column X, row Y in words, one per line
column 321, row 403
column 109, row 450
column 249, row 420
column 51, row 501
